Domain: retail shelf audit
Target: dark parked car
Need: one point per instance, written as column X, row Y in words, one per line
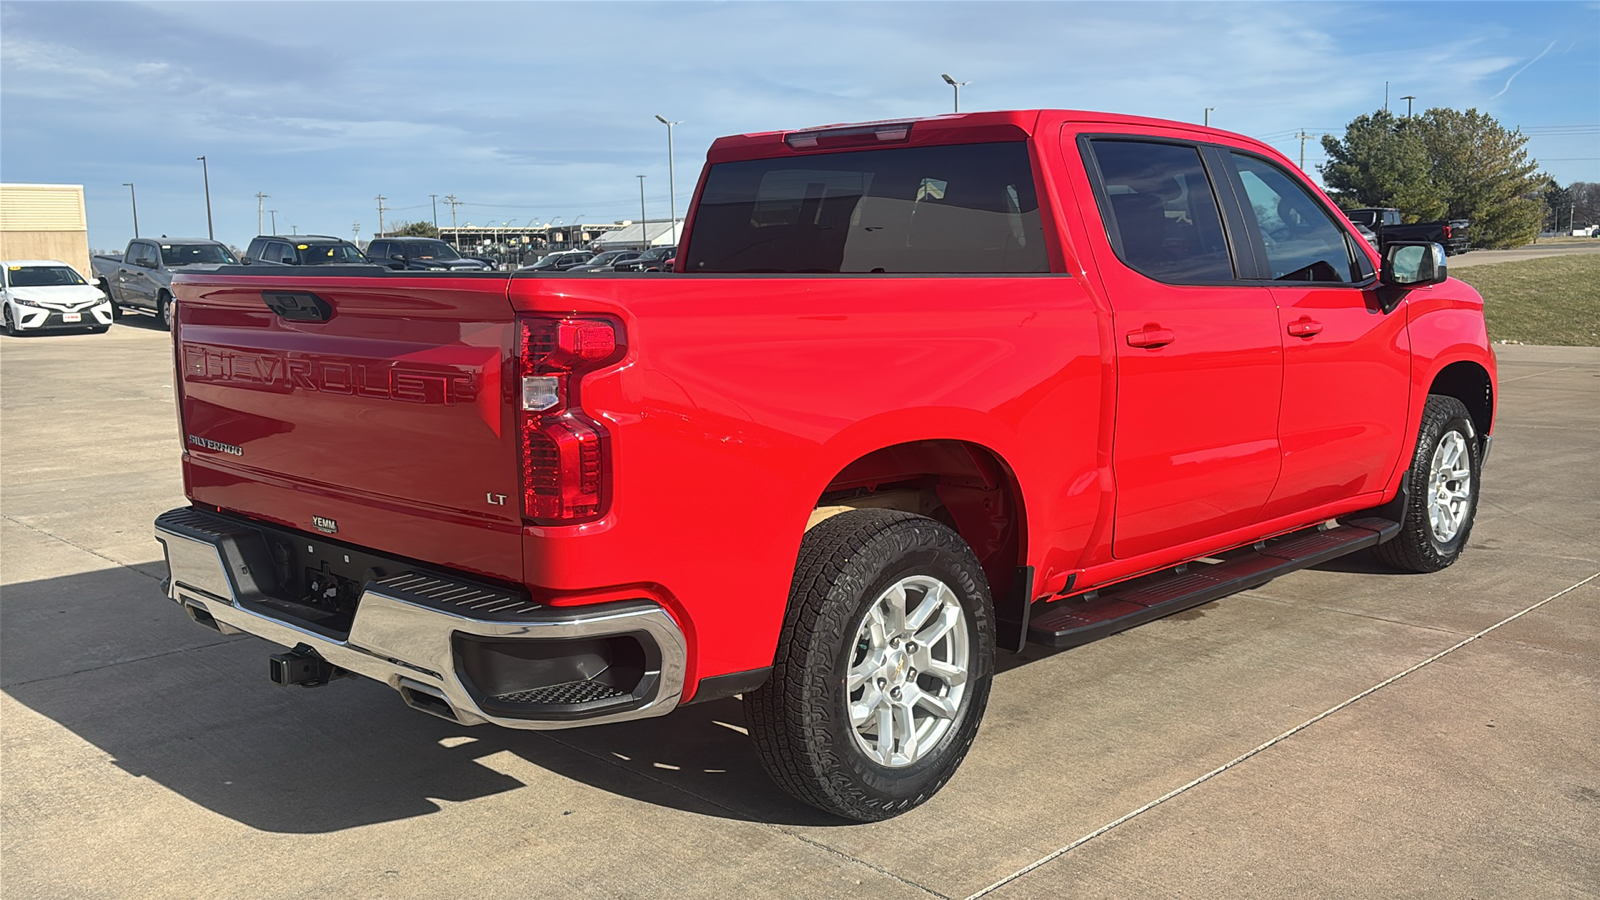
column 303, row 250
column 649, row 261
column 421, row 253
column 606, row 260
column 1386, row 222
column 559, row 261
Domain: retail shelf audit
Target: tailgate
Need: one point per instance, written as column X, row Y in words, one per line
column 370, row 408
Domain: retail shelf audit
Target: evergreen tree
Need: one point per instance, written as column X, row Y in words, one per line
column 1483, row 173
column 1441, row 164
column 416, row 229
column 1381, row 163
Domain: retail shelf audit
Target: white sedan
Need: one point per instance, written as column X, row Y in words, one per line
column 47, row 294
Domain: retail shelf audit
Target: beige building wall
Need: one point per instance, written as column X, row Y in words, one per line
column 45, row 221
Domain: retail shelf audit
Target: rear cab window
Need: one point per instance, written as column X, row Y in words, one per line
column 1160, row 210
column 950, row 209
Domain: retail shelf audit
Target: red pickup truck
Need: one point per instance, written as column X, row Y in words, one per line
column 918, row 390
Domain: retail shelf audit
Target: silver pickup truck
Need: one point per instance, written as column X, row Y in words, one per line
column 142, row 276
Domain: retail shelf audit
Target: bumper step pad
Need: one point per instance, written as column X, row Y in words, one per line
column 1081, row 620
column 565, row 694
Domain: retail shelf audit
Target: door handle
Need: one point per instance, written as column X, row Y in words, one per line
column 1151, row 336
column 1305, row 327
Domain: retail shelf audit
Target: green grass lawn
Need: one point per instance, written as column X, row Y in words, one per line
column 1555, row 300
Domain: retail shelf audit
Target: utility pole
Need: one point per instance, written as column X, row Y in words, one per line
column 644, row 237
column 259, row 197
column 274, row 214
column 355, row 232
column 1209, row 110
column 380, row 199
column 957, row 85
column 1302, row 136
column 210, row 234
column 135, row 198
column 451, row 199
column 435, row 199
column 1408, row 98
column 1386, row 96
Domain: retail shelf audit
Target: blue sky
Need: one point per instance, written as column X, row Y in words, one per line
column 534, row 111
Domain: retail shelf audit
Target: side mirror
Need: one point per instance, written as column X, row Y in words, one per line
column 244, row 260
column 1411, row 265
column 398, row 255
column 1408, row 265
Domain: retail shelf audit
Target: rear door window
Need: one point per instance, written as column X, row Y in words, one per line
column 1160, row 211
column 964, row 208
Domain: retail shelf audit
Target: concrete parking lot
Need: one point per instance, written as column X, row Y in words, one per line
column 1341, row 732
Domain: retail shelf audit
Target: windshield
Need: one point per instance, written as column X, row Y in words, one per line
column 430, row 250
column 328, row 254
column 175, row 255
column 41, row 276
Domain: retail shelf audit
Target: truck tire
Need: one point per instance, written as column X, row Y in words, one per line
column 1443, row 483
column 166, row 310
column 883, row 666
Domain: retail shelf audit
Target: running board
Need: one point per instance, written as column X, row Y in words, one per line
column 1090, row 617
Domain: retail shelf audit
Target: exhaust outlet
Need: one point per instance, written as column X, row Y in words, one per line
column 431, row 701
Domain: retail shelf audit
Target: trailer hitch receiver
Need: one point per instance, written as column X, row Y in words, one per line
column 302, row 666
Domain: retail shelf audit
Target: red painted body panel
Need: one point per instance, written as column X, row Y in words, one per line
column 741, row 398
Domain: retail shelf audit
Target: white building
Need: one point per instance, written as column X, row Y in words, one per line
column 656, row 234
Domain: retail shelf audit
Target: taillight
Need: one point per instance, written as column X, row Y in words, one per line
column 564, row 453
column 1447, row 231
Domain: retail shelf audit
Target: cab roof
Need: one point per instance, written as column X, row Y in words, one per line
column 948, row 128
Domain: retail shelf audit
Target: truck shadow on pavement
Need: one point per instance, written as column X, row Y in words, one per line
column 105, row 656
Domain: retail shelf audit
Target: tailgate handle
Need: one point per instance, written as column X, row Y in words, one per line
column 298, row 307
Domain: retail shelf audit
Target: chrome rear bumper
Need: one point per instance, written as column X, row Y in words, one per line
column 411, row 630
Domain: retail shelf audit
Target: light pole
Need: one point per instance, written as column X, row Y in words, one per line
column 644, row 236
column 1209, row 110
column 135, row 198
column 206, row 173
column 672, row 182
column 435, row 199
column 957, row 85
column 1408, row 98
column 274, row 214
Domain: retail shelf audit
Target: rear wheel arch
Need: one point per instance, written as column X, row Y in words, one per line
column 967, row 486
